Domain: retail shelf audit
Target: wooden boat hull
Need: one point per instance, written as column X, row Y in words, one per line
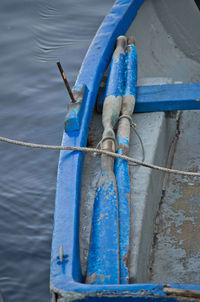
column 66, row 277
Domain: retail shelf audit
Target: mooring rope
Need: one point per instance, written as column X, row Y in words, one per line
column 95, row 150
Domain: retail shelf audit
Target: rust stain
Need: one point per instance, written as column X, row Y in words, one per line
column 185, row 204
column 129, row 49
column 128, row 196
column 102, row 277
column 101, row 217
column 105, row 215
column 187, row 235
column 78, row 95
column 125, row 259
column 92, row 278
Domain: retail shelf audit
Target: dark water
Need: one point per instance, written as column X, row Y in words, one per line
column 33, row 36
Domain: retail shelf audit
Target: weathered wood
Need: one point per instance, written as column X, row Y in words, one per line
column 169, row 97
column 103, row 260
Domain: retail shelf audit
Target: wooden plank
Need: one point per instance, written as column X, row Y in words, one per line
column 168, row 97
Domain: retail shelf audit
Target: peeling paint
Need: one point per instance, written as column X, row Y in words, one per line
column 103, row 257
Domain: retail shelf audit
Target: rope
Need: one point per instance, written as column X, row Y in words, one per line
column 128, row 118
column 133, row 126
column 92, row 150
column 104, row 139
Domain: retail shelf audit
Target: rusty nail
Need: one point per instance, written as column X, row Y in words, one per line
column 66, row 82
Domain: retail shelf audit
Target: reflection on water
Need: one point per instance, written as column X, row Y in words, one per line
column 34, row 35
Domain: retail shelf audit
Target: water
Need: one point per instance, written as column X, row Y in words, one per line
column 34, row 36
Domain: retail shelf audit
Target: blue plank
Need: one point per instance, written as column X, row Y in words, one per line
column 169, row 97
column 66, row 217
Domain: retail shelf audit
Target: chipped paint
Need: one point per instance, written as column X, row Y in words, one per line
column 75, row 110
column 103, row 255
column 164, row 97
column 121, row 167
column 131, row 77
column 116, row 72
column 103, row 259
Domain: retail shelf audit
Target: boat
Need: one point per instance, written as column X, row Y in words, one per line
column 161, row 218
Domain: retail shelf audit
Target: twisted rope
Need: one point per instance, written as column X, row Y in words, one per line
column 95, row 150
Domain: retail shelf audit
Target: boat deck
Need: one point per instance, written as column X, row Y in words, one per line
column 176, row 250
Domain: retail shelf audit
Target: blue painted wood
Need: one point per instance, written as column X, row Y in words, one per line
column 115, row 83
column 66, row 276
column 121, row 167
column 123, row 186
column 131, row 71
column 75, row 110
column 75, row 291
column 169, row 97
column 66, row 217
column 103, row 260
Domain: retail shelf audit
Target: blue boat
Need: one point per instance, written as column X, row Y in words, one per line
column 126, row 232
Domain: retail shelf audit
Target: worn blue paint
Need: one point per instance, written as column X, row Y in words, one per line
column 75, row 110
column 66, row 277
column 66, row 216
column 103, row 260
column 121, row 167
column 123, row 187
column 169, row 97
column 127, row 292
column 131, row 77
column 122, row 140
column 116, row 75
